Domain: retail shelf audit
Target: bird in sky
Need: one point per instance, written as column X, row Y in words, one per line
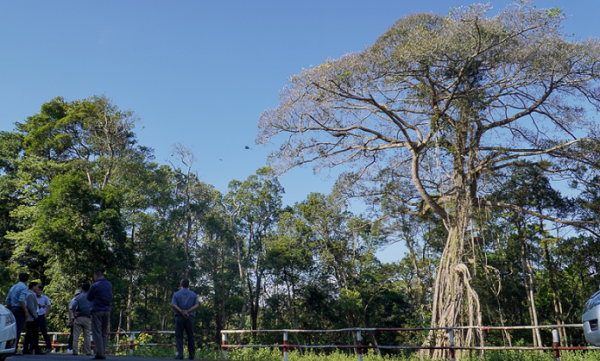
column 247, row 147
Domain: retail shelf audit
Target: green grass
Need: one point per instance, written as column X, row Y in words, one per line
column 266, row 354
column 269, row 354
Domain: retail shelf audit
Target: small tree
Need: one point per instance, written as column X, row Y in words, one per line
column 437, row 111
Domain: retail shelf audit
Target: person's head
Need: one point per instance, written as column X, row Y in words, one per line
column 185, row 283
column 33, row 286
column 24, row 277
column 39, row 291
column 98, row 274
column 85, row 287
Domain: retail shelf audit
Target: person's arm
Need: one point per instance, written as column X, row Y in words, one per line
column 178, row 309
column 32, row 305
column 71, row 312
column 91, row 293
column 24, row 307
column 192, row 308
column 73, row 309
column 23, row 302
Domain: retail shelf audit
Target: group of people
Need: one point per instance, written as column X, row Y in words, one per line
column 30, row 307
column 89, row 313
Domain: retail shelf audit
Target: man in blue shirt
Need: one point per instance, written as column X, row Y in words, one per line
column 100, row 294
column 16, row 301
column 185, row 303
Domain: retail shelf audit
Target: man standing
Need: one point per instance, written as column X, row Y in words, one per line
column 83, row 321
column 44, row 306
column 185, row 303
column 32, row 336
column 71, row 320
column 100, row 294
column 16, row 301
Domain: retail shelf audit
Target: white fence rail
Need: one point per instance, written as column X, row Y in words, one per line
column 452, row 347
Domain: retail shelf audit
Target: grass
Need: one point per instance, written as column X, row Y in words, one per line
column 266, row 354
column 269, row 354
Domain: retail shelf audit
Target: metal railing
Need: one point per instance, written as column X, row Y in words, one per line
column 452, row 347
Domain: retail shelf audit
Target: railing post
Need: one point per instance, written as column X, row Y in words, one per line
column 131, row 341
column 285, row 349
column 452, row 351
column 556, row 343
column 224, row 346
column 54, row 342
column 359, row 344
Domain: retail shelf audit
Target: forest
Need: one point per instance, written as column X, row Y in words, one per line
column 467, row 148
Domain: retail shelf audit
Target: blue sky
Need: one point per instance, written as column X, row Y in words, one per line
column 198, row 72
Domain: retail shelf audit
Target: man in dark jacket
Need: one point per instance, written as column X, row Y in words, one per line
column 100, row 294
column 82, row 308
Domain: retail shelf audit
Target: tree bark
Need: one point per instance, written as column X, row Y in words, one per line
column 453, row 295
column 130, row 303
column 551, row 267
column 528, row 280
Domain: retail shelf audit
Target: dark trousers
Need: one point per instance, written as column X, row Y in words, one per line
column 100, row 331
column 70, row 338
column 32, row 337
column 44, row 330
column 187, row 324
column 20, row 318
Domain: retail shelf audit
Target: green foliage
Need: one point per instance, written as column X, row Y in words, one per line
column 267, row 354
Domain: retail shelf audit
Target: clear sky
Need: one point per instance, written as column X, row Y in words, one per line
column 199, row 72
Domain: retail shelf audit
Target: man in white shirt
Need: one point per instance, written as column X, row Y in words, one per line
column 44, row 306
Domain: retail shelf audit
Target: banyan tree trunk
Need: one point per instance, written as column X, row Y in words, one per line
column 453, row 295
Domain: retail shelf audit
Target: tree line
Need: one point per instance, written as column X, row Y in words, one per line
column 79, row 193
column 468, row 145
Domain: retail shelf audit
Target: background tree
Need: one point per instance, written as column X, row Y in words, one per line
column 253, row 207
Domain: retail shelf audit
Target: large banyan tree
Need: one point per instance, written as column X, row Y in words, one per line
column 443, row 107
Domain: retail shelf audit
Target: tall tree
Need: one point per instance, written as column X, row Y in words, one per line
column 444, row 103
column 252, row 208
column 73, row 157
